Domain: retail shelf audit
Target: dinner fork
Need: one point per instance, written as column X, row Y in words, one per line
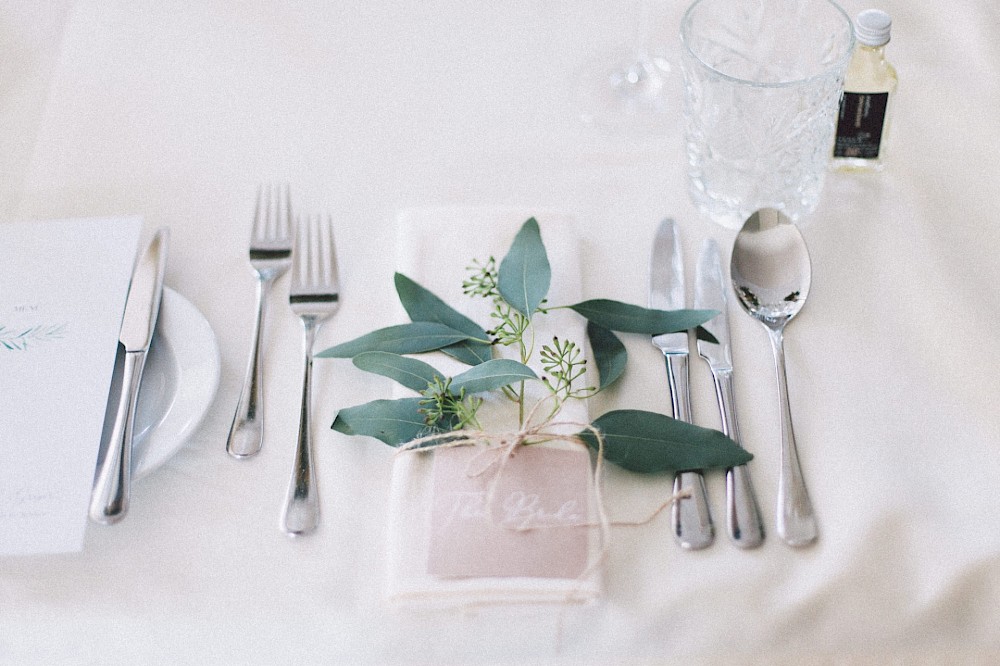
column 270, row 257
column 314, row 296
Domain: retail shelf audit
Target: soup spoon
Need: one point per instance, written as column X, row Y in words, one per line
column 771, row 274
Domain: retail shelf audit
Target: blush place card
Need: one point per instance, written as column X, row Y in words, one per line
column 535, row 524
column 63, row 286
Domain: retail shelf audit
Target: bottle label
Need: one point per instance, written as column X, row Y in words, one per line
column 859, row 127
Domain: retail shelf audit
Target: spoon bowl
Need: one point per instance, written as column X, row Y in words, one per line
column 771, row 274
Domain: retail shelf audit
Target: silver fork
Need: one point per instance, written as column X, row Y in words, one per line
column 314, row 296
column 270, row 257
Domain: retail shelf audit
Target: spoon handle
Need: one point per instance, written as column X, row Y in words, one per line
column 690, row 517
column 795, row 523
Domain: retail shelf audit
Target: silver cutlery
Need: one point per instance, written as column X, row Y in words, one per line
column 314, row 296
column 270, row 257
column 690, row 517
column 109, row 499
column 771, row 274
column 743, row 519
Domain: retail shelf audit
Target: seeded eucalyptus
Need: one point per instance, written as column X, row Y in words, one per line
column 517, row 288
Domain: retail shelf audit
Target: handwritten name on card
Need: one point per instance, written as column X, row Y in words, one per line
column 536, row 524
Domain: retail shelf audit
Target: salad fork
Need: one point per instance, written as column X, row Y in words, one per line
column 270, row 257
column 314, row 296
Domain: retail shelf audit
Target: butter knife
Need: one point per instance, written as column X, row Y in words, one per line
column 110, row 496
column 743, row 519
column 691, row 520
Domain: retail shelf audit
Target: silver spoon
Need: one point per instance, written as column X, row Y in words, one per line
column 771, row 275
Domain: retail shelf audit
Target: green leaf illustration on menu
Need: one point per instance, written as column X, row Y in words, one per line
column 517, row 288
column 23, row 338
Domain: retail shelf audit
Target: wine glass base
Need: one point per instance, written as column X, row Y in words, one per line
column 634, row 93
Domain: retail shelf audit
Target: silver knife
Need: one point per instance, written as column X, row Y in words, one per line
column 109, row 500
column 690, row 517
column 742, row 513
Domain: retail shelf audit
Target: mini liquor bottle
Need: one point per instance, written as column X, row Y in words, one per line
column 869, row 88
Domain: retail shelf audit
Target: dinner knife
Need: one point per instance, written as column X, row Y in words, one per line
column 743, row 521
column 110, row 496
column 691, row 520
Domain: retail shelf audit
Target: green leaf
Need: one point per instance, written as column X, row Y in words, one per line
column 610, row 355
column 410, row 372
column 702, row 333
column 395, row 422
column 650, row 442
column 411, row 338
column 491, row 375
column 628, row 318
column 423, row 305
column 524, row 275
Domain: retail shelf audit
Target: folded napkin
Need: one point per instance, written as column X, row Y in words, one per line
column 435, row 248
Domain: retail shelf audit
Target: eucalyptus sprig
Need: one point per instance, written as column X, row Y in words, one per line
column 564, row 362
column 441, row 406
column 517, row 287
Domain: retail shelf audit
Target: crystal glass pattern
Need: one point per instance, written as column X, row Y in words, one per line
column 762, row 86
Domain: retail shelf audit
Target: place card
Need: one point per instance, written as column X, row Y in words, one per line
column 63, row 286
column 535, row 524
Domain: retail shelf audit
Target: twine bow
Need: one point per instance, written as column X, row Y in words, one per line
column 501, row 447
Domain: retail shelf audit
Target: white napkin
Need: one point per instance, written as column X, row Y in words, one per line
column 63, row 292
column 435, row 247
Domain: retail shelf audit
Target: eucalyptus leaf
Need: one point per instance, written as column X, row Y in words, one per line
column 649, row 442
column 610, row 354
column 524, row 275
column 413, row 338
column 423, row 305
column 703, row 333
column 395, row 422
column 491, row 375
column 628, row 318
column 410, row 372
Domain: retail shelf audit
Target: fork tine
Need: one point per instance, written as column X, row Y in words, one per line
column 300, row 258
column 259, row 229
column 312, row 264
column 283, row 219
column 329, row 254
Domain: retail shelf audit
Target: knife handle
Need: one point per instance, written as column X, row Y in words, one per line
column 109, row 499
column 690, row 517
column 743, row 520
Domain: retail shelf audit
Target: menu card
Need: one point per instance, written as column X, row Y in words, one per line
column 63, row 286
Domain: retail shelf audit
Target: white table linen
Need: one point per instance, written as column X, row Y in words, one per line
column 175, row 111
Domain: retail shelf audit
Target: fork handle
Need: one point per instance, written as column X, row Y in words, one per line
column 691, row 518
column 301, row 513
column 246, row 434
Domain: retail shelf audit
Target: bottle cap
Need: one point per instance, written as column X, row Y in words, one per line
column 872, row 27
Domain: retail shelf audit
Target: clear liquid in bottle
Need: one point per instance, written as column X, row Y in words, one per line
column 866, row 105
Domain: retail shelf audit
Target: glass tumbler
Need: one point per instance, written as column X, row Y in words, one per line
column 762, row 85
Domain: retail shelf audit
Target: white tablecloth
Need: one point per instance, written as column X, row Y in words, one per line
column 176, row 110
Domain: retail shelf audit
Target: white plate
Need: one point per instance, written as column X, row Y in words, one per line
column 178, row 383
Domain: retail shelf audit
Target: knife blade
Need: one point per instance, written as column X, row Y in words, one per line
column 743, row 520
column 112, row 484
column 690, row 517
